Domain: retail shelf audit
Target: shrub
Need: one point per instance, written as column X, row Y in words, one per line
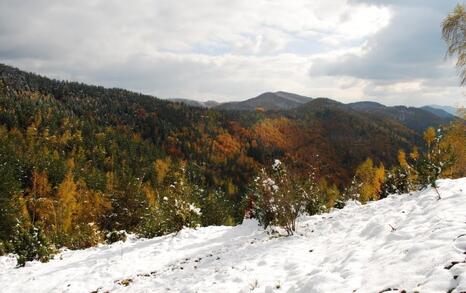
column 30, row 243
column 175, row 206
column 396, row 182
column 277, row 198
column 216, row 208
column 115, row 236
column 85, row 235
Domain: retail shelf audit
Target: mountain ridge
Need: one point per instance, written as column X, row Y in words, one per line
column 417, row 118
column 320, row 126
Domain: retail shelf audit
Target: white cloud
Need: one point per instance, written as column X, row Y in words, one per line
column 202, row 49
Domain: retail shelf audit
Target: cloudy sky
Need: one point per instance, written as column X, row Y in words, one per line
column 349, row 50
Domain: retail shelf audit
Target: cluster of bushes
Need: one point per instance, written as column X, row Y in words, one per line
column 443, row 156
column 74, row 219
column 278, row 197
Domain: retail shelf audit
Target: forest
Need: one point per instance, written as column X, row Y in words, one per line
column 79, row 164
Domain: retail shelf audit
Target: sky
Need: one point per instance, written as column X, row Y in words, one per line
column 349, row 50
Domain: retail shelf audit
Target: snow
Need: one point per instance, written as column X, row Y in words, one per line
column 412, row 242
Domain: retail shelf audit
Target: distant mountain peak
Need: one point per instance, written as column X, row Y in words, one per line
column 268, row 101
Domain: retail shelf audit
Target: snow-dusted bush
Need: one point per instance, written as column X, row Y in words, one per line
column 174, row 208
column 278, row 197
column 115, row 236
column 30, row 243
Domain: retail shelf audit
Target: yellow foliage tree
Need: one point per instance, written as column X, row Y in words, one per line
column 429, row 136
column 369, row 180
column 161, row 168
column 455, row 140
column 39, row 199
column 150, row 194
column 66, row 194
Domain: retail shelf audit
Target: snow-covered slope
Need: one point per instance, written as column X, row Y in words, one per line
column 410, row 242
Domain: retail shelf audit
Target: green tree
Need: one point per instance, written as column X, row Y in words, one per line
column 30, row 243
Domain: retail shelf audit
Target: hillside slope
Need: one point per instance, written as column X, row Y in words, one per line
column 222, row 144
column 408, row 242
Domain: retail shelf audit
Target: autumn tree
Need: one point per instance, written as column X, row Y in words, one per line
column 66, row 195
column 40, row 200
column 454, row 139
column 367, row 182
column 437, row 159
column 454, row 34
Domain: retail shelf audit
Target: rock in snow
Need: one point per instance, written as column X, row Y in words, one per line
column 411, row 242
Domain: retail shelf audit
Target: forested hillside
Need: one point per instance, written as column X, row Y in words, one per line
column 79, row 161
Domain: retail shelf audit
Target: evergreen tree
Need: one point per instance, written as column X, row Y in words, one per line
column 30, row 243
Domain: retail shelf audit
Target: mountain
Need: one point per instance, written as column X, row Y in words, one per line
column 418, row 119
column 225, row 144
column 267, row 101
column 404, row 243
column 236, row 143
column 439, row 110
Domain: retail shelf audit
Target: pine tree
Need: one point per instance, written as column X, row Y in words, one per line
column 435, row 161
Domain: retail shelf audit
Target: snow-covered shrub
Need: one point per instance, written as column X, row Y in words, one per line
column 115, row 236
column 30, row 243
column 437, row 158
column 277, row 198
column 175, row 207
column 398, row 180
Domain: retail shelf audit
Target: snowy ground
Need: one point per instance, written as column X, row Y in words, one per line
column 350, row 250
